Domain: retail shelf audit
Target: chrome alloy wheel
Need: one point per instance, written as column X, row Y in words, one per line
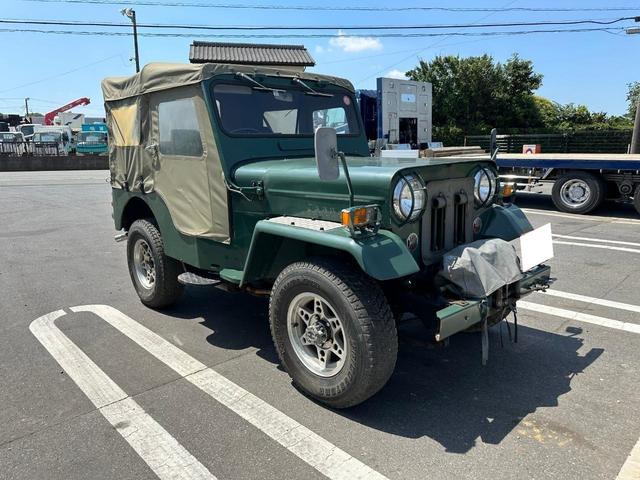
column 317, row 334
column 575, row 193
column 143, row 263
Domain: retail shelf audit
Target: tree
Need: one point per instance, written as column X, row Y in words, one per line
column 475, row 94
column 633, row 96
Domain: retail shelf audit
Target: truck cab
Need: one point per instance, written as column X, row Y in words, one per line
column 92, row 139
column 259, row 180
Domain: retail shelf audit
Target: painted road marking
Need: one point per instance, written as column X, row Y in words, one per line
column 595, row 245
column 601, row 240
column 588, row 218
column 631, row 468
column 160, row 451
column 299, row 440
column 592, row 300
column 581, row 317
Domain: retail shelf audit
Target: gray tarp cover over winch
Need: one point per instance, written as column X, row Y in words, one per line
column 482, row 267
column 192, row 187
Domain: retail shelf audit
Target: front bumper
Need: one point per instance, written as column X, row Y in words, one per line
column 459, row 315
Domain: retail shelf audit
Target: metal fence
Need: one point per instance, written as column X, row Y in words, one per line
column 608, row 141
column 16, row 149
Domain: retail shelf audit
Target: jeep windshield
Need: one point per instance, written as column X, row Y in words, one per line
column 244, row 110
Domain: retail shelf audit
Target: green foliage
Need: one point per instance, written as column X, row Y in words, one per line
column 474, row 94
column 633, row 97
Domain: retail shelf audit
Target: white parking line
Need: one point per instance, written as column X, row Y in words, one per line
column 631, row 468
column 581, row 317
column 587, row 218
column 161, row 452
column 595, row 245
column 592, row 300
column 305, row 444
column 589, row 239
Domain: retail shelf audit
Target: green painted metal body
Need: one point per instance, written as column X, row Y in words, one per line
column 278, row 177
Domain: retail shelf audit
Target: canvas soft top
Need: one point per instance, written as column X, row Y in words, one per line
column 164, row 76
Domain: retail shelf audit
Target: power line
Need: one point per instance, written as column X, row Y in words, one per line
column 317, row 27
column 45, row 79
column 184, row 4
column 312, row 35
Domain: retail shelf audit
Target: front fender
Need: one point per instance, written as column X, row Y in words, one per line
column 382, row 256
column 507, row 222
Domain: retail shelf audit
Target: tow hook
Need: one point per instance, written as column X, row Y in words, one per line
column 120, row 237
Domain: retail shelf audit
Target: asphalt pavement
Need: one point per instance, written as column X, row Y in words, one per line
column 197, row 389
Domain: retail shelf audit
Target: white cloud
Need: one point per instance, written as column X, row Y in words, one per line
column 396, row 74
column 354, row 44
column 319, row 49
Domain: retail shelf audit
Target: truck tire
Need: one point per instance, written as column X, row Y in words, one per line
column 578, row 192
column 154, row 275
column 636, row 198
column 333, row 330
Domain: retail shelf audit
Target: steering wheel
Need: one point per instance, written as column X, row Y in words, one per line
column 245, row 130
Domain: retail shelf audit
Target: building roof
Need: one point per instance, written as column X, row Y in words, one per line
column 250, row 54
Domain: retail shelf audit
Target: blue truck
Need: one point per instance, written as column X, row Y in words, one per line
column 92, row 139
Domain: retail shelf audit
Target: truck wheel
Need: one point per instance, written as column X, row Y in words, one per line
column 636, row 198
column 333, row 330
column 154, row 275
column 578, row 192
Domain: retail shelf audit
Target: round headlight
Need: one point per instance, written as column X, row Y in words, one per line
column 486, row 185
column 408, row 198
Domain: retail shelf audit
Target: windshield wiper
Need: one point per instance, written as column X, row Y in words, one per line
column 259, row 85
column 311, row 90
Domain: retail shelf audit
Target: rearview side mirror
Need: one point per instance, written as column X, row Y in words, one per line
column 326, row 147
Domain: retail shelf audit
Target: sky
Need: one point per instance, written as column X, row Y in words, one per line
column 584, row 68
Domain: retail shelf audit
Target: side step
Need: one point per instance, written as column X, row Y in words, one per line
column 190, row 278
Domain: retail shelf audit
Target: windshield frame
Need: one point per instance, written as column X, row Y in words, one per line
column 328, row 88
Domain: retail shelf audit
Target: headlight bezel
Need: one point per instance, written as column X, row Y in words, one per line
column 492, row 177
column 415, row 191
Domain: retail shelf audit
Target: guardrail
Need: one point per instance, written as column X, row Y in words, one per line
column 609, row 141
column 17, row 149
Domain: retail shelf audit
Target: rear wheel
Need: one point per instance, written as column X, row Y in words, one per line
column 636, row 198
column 154, row 275
column 578, row 192
column 333, row 330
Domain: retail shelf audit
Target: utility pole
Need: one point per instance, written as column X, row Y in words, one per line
column 635, row 138
column 130, row 13
column 26, row 107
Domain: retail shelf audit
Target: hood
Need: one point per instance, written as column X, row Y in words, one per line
column 292, row 186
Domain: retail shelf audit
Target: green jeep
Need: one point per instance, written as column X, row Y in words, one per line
column 260, row 180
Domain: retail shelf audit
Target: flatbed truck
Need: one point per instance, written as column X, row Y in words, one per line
column 581, row 181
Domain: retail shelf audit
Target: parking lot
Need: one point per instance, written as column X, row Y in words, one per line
column 202, row 378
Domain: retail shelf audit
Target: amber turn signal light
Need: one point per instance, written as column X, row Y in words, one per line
column 360, row 217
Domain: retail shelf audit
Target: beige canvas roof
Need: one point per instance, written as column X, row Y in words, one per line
column 163, row 76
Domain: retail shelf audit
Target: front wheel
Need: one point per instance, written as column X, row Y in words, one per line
column 154, row 275
column 333, row 330
column 578, row 192
column 636, row 198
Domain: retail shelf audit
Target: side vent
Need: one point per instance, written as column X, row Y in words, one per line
column 459, row 218
column 438, row 221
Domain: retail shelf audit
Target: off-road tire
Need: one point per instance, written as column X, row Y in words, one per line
column 636, row 198
column 166, row 288
column 596, row 186
column 366, row 317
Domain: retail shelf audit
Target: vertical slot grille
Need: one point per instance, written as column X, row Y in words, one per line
column 459, row 219
column 438, row 216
